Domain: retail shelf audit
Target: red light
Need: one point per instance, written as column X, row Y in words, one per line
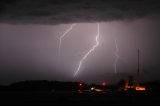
column 80, row 84
column 104, row 84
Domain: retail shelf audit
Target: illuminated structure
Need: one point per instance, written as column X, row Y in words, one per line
column 130, row 84
column 133, row 85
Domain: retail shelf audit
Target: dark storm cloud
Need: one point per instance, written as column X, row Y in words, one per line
column 70, row 11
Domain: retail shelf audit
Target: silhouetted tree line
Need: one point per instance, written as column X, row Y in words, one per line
column 41, row 86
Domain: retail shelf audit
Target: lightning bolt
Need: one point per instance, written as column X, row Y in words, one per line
column 117, row 57
column 90, row 51
column 63, row 35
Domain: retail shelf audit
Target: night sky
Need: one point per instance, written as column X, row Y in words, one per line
column 30, row 32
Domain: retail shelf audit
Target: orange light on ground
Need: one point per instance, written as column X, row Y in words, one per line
column 98, row 90
column 140, row 88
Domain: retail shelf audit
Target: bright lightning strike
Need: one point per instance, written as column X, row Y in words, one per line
column 117, row 57
column 63, row 35
column 91, row 50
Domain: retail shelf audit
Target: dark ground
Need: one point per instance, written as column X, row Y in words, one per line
column 44, row 97
column 42, row 93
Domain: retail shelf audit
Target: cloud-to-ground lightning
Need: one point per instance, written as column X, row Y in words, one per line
column 63, row 35
column 116, row 57
column 91, row 50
